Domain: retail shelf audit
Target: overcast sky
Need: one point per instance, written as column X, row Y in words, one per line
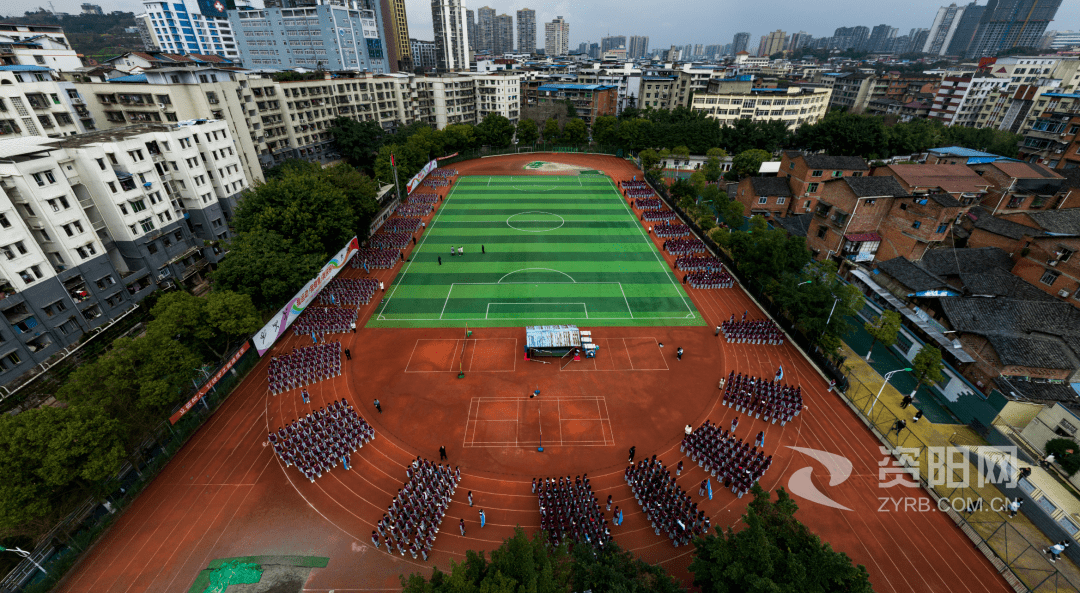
column 688, row 21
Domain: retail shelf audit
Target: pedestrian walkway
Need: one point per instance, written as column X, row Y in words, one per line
column 1016, row 541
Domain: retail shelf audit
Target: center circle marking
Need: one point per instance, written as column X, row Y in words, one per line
column 561, row 221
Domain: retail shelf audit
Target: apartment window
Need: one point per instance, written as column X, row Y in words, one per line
column 137, row 206
column 105, row 282
column 943, row 227
column 763, row 200
column 43, row 178
column 179, row 235
column 152, row 247
column 147, row 224
column 916, row 224
column 8, row 251
column 112, row 186
column 816, row 173
column 837, row 173
column 1049, row 277
column 780, row 201
column 812, row 187
column 822, row 231
column 123, row 209
column 4, row 222
column 54, row 308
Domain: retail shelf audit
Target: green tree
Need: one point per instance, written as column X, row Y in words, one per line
column 883, row 329
column 571, row 110
column 1066, row 453
column 47, row 451
column 731, row 212
column 614, row 569
column 458, row 137
column 267, row 267
column 605, row 130
column 575, row 132
column 360, row 193
column 650, row 159
column 495, row 130
column 358, row 142
column 820, row 307
column 551, row 130
column 927, row 365
column 763, row 255
column 527, row 132
column 215, row 324
column 711, row 169
column 636, row 134
column 519, row 564
column 845, row 134
column 749, row 162
column 774, row 552
column 682, row 152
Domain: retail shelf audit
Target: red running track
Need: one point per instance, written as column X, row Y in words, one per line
column 225, row 494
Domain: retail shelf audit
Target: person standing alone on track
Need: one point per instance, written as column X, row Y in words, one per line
column 378, row 406
column 442, row 453
column 632, row 451
column 678, row 353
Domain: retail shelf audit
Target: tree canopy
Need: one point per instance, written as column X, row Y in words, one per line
column 774, row 552
column 358, row 142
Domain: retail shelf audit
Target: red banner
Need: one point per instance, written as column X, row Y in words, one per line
column 449, row 156
column 206, row 388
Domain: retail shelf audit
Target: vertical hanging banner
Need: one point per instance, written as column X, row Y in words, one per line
column 419, row 177
column 284, row 318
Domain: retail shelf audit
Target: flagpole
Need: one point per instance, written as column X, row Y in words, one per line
column 397, row 186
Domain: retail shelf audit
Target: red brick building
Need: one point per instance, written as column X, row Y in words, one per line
column 959, row 181
column 767, row 196
column 849, row 214
column 807, row 174
column 1018, row 186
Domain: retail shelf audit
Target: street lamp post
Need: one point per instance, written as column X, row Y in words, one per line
column 888, row 375
column 24, row 554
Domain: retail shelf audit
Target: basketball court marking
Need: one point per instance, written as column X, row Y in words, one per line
column 506, row 422
column 444, row 355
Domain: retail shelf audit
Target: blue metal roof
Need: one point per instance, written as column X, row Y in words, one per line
column 657, row 78
column 21, row 68
column 1063, row 95
column 961, row 151
column 129, row 78
column 575, row 87
column 768, row 90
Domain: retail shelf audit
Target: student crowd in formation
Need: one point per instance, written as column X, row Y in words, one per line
column 414, row 516
column 385, row 239
column 665, row 231
column 658, row 215
column 316, row 443
column 718, row 278
column 648, row 203
column 376, row 259
column 698, row 263
column 444, row 173
column 402, row 224
column 763, row 331
column 325, row 320
column 726, row 457
column 753, row 396
column 304, row 366
column 423, row 198
column 679, row 247
column 569, row 509
column 348, row 291
column 668, row 507
column 436, row 183
column 414, row 209
column 636, row 189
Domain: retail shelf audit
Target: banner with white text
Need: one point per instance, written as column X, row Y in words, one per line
column 284, row 318
column 419, row 177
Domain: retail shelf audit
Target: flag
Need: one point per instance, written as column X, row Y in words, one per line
column 708, row 486
column 393, row 163
column 780, row 373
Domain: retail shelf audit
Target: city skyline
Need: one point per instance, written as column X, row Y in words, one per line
column 590, row 22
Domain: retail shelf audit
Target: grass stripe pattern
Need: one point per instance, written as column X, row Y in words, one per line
column 558, row 249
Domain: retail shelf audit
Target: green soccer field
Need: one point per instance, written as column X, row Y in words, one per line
column 559, row 249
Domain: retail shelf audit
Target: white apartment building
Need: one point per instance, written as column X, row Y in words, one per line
column 731, row 101
column 27, row 45
column 557, row 37
column 960, row 99
column 34, row 101
column 90, row 224
column 186, row 27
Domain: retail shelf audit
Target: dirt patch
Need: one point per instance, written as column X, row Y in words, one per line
column 275, row 579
